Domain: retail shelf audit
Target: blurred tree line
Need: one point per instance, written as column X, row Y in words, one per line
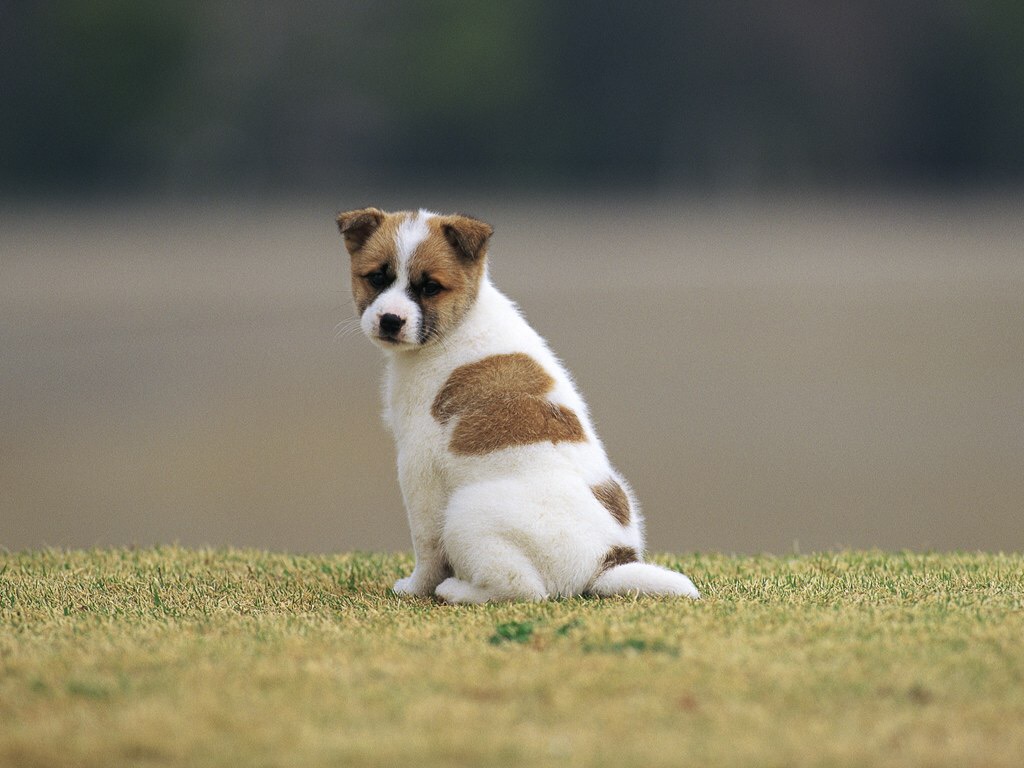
column 130, row 94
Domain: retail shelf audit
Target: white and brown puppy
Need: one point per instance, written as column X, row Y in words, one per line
column 508, row 490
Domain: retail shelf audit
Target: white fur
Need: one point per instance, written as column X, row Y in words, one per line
column 517, row 524
column 411, row 233
column 645, row 578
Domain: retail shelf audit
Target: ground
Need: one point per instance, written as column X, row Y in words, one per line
column 173, row 656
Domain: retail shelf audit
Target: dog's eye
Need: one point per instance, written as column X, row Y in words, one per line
column 378, row 279
column 431, row 288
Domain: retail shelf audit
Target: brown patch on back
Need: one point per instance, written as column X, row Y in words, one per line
column 501, row 401
column 618, row 556
column 614, row 499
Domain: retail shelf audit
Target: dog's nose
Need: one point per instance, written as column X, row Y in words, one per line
column 391, row 324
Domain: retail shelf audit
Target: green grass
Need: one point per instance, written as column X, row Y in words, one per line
column 171, row 656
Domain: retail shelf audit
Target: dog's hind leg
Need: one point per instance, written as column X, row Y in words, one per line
column 493, row 553
column 644, row 579
column 455, row 590
column 505, row 574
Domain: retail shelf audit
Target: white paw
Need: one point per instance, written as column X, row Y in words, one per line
column 410, row 585
column 453, row 590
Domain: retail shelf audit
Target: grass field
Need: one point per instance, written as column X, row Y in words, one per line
column 172, row 656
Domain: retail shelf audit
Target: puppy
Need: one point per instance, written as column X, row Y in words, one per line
column 507, row 487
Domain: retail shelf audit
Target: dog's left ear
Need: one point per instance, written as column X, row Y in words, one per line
column 468, row 236
column 357, row 226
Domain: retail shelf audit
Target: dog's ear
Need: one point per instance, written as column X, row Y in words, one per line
column 357, row 226
column 468, row 236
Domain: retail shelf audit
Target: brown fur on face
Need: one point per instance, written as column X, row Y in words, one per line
column 500, row 401
column 370, row 240
column 453, row 255
column 614, row 499
column 456, row 266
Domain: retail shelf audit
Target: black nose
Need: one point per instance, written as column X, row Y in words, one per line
column 391, row 324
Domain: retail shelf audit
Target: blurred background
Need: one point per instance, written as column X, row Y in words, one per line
column 780, row 246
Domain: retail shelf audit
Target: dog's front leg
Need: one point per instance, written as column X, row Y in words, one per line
column 425, row 503
column 430, row 570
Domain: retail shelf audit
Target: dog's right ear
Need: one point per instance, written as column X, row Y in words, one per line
column 468, row 236
column 358, row 226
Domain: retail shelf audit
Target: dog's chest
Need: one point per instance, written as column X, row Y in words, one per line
column 409, row 392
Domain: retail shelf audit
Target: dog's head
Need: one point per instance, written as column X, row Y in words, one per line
column 414, row 275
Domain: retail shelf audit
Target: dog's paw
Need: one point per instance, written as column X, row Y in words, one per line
column 410, row 585
column 453, row 590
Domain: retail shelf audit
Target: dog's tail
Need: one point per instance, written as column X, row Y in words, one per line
column 645, row 579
